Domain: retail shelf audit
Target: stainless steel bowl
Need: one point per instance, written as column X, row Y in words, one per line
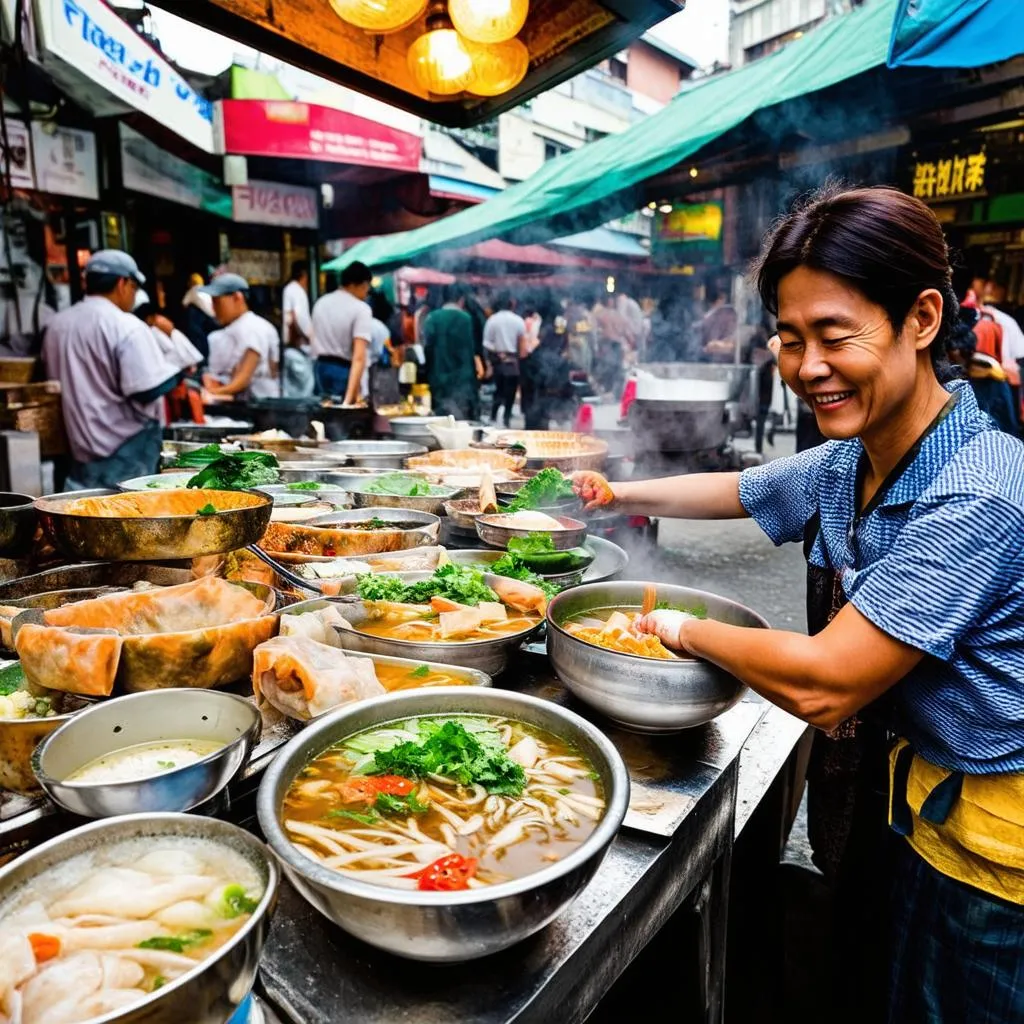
column 158, row 481
column 146, row 718
column 491, row 531
column 643, row 694
column 320, row 456
column 215, row 988
column 432, row 503
column 490, row 656
column 377, row 454
column 18, row 521
column 308, row 469
column 19, row 737
column 421, row 522
column 451, row 926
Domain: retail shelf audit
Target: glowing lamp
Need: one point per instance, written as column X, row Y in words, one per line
column 439, row 61
column 499, row 67
column 488, row 21
column 379, row 16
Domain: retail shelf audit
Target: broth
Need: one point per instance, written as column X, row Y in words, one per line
column 107, row 928
column 144, row 760
column 428, row 630
column 401, row 677
column 374, row 808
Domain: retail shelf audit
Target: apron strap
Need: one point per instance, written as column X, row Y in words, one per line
column 938, row 804
column 941, row 800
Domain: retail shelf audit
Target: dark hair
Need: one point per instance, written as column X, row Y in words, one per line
column 886, row 244
column 502, row 301
column 454, row 293
column 102, row 284
column 146, row 310
column 356, row 273
column 299, row 269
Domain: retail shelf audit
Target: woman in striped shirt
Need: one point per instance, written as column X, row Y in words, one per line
column 912, row 517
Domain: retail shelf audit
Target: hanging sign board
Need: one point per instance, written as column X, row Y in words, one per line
column 267, row 202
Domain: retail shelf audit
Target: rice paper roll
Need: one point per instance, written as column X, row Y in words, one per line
column 72, row 660
column 302, row 678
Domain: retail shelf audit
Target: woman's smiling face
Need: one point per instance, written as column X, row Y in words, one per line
column 840, row 354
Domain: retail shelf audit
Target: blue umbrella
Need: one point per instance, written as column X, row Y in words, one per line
column 956, row 33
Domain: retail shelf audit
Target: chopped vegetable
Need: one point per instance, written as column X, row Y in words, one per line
column 177, row 943
column 547, row 488
column 420, row 673
column 404, row 486
column 198, row 458
column 165, row 764
column 364, row 819
column 44, row 947
column 450, row 873
column 531, row 544
column 366, row 790
column 453, row 751
column 234, row 901
column 209, row 509
column 400, row 804
column 159, row 981
column 12, row 677
column 460, row 583
column 304, row 485
column 513, row 567
column 698, row 611
column 236, row 471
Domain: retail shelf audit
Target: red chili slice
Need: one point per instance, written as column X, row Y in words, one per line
column 394, row 785
column 364, row 789
column 447, row 874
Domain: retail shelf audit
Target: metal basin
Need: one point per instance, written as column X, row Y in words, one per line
column 643, row 694
column 432, row 503
column 308, row 469
column 377, row 454
column 20, row 736
column 158, row 482
column 18, row 521
column 490, row 656
column 145, row 718
column 451, row 926
column 492, row 531
column 153, row 537
column 214, row 989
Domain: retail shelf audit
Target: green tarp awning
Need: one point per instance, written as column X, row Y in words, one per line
column 599, row 181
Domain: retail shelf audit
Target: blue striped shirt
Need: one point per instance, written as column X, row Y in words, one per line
column 938, row 564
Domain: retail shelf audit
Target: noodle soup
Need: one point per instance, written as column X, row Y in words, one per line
column 108, row 928
column 441, row 803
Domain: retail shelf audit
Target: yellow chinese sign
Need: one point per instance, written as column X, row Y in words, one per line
column 955, row 178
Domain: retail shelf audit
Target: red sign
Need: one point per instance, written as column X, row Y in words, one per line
column 305, row 131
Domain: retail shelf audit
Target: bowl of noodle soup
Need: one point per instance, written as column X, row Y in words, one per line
column 131, row 920
column 526, row 841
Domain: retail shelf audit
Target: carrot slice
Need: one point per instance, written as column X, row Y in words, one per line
column 44, row 947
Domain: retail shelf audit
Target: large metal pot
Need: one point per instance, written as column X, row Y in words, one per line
column 643, row 694
column 444, row 926
column 18, row 521
column 20, row 736
column 214, row 990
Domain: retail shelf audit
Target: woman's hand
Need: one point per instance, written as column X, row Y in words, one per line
column 593, row 489
column 667, row 625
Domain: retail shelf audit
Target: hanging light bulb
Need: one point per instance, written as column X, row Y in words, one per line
column 379, row 16
column 488, row 21
column 499, row 67
column 439, row 61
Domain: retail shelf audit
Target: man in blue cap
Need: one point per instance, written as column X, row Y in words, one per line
column 244, row 354
column 112, row 375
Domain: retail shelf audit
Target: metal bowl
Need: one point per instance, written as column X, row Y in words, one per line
column 414, row 428
column 343, row 518
column 213, row 991
column 490, row 656
column 643, row 694
column 609, row 560
column 158, row 482
column 432, row 503
column 18, row 521
column 320, row 456
column 444, row 927
column 491, row 531
column 145, row 718
column 20, row 736
column 507, row 491
column 296, row 472
column 207, row 433
column 152, row 538
column 377, row 454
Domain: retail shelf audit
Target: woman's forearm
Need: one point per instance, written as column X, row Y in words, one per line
column 694, row 496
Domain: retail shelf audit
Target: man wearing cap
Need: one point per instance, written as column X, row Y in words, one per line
column 244, row 354
column 112, row 375
column 342, row 331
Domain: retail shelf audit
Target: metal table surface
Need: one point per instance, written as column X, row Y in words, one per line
column 314, row 973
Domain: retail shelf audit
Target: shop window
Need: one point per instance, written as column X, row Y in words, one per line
column 618, row 69
column 554, row 149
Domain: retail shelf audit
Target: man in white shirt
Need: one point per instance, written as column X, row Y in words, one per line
column 504, row 340
column 296, row 325
column 244, row 356
column 112, row 375
column 342, row 331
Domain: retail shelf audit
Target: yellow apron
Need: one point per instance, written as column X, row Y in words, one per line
column 967, row 827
